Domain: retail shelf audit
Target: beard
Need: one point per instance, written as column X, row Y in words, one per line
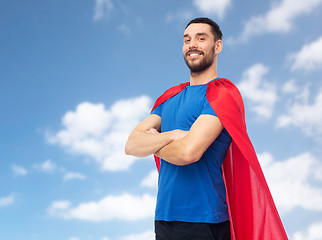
column 200, row 65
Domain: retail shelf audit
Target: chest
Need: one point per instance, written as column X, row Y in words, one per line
column 182, row 110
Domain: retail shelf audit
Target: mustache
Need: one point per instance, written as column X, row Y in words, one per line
column 194, row 51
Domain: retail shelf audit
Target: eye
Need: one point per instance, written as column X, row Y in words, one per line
column 201, row 39
column 186, row 40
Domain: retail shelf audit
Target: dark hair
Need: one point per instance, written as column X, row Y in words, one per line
column 214, row 26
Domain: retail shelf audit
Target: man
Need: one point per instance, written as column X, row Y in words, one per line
column 190, row 129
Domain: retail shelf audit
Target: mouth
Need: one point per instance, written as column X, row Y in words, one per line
column 194, row 54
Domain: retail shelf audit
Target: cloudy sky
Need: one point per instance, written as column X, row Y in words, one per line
column 77, row 76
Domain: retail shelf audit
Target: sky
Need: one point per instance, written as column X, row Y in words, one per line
column 76, row 76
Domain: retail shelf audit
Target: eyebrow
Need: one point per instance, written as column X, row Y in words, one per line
column 198, row 34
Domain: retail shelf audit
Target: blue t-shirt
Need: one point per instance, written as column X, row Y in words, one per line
column 195, row 192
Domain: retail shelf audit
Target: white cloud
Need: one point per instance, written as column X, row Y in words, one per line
column 58, row 208
column 47, row 166
column 73, row 175
column 292, row 181
column 151, row 181
column 6, row 201
column 93, row 131
column 74, row 238
column 182, row 15
column 290, row 87
column 261, row 94
column 208, row 7
column 306, row 116
column 124, row 207
column 19, row 171
column 309, row 57
column 143, row 236
column 218, row 7
column 280, row 18
column 314, row 232
column 125, row 29
column 102, row 7
column 295, row 92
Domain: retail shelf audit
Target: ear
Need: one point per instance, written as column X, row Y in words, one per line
column 218, row 46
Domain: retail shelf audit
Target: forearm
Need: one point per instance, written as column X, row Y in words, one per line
column 191, row 147
column 179, row 152
column 142, row 144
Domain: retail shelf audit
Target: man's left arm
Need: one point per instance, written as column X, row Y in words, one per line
column 190, row 148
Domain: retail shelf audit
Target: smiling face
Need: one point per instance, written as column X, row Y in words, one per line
column 199, row 47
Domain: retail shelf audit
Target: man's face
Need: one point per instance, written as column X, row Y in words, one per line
column 198, row 47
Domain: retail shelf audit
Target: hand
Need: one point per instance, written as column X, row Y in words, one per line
column 152, row 131
column 178, row 134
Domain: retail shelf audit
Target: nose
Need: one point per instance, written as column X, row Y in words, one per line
column 193, row 44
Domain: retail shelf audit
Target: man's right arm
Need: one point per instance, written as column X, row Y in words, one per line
column 143, row 142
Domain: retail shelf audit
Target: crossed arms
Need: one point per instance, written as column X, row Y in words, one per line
column 177, row 147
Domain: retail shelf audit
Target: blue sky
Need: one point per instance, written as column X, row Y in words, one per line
column 77, row 76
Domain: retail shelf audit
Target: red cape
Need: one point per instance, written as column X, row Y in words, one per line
column 252, row 211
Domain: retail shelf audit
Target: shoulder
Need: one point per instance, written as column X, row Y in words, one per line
column 222, row 88
column 224, row 84
column 169, row 93
column 223, row 94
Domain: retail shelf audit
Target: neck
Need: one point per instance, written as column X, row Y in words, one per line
column 203, row 77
